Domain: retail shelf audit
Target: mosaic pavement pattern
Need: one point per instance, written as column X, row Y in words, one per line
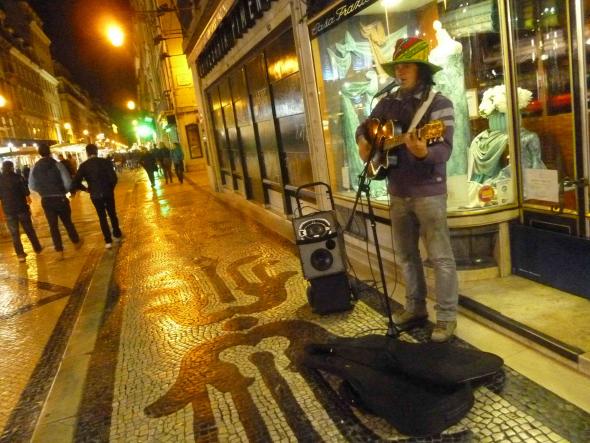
column 203, row 331
column 204, row 327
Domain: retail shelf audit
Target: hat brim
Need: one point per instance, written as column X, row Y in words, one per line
column 390, row 66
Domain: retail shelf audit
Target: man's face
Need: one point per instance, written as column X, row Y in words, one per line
column 407, row 75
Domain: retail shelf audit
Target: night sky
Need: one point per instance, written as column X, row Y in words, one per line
column 75, row 29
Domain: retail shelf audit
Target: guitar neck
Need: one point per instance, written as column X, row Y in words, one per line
column 398, row 139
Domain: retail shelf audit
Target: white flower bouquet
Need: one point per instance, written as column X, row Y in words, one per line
column 494, row 99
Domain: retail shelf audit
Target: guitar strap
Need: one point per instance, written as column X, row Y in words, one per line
column 422, row 110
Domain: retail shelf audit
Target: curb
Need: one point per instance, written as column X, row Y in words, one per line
column 59, row 414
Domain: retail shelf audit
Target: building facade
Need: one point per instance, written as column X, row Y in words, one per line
column 165, row 88
column 27, row 83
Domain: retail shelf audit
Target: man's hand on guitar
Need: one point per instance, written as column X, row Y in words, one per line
column 415, row 145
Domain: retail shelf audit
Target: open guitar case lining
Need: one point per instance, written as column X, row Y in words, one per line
column 419, row 388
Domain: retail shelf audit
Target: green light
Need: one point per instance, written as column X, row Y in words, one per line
column 148, row 119
column 144, row 131
column 168, row 130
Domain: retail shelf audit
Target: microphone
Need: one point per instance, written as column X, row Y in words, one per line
column 387, row 88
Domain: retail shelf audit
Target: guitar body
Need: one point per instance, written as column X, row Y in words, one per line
column 388, row 136
column 380, row 162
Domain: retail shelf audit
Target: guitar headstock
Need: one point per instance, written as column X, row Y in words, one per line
column 432, row 130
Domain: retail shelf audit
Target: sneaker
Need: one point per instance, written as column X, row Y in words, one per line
column 108, row 245
column 443, row 331
column 79, row 244
column 406, row 320
column 118, row 239
column 22, row 258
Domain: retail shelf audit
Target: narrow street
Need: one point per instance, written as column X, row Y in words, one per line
column 191, row 330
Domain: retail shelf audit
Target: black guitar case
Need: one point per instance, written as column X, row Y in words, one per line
column 420, row 388
column 436, row 363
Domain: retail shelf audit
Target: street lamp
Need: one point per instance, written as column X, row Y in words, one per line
column 2, row 101
column 131, row 105
column 68, row 126
column 115, row 35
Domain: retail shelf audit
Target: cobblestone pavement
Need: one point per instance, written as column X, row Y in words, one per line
column 39, row 303
column 205, row 321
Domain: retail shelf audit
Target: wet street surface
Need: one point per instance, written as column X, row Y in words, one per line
column 199, row 339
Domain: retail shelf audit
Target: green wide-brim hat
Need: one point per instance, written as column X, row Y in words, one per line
column 410, row 50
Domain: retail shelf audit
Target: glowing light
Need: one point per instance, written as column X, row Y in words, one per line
column 2, row 101
column 85, row 132
column 390, row 3
column 144, row 131
column 131, row 105
column 68, row 126
column 115, row 35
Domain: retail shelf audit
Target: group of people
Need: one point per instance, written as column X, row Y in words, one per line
column 52, row 180
column 162, row 159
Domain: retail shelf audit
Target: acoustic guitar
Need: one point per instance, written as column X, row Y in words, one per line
column 388, row 136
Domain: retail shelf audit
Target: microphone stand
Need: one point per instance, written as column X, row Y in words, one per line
column 364, row 185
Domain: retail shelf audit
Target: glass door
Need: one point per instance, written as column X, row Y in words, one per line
column 550, row 132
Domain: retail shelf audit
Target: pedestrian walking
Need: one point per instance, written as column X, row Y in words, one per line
column 177, row 157
column 50, row 179
column 68, row 164
column 100, row 176
column 148, row 161
column 26, row 173
column 14, row 194
column 166, row 162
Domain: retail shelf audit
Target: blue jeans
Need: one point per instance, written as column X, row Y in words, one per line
column 425, row 217
column 23, row 219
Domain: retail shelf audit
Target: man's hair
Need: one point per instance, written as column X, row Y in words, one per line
column 44, row 150
column 91, row 149
column 7, row 165
column 425, row 75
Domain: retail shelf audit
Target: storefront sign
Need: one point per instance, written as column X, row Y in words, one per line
column 336, row 15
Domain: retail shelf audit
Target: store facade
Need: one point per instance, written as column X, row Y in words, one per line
column 284, row 91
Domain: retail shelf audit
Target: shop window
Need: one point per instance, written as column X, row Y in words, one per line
column 465, row 40
column 543, row 67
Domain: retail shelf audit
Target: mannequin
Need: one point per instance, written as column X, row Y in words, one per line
column 488, row 154
column 450, row 81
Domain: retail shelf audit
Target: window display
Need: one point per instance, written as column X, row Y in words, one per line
column 465, row 42
column 543, row 67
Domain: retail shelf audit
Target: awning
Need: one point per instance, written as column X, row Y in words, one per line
column 69, row 147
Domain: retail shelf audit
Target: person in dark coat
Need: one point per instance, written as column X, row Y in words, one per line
column 14, row 194
column 101, row 178
column 148, row 161
column 177, row 157
column 166, row 162
column 68, row 164
column 50, row 179
column 26, row 173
